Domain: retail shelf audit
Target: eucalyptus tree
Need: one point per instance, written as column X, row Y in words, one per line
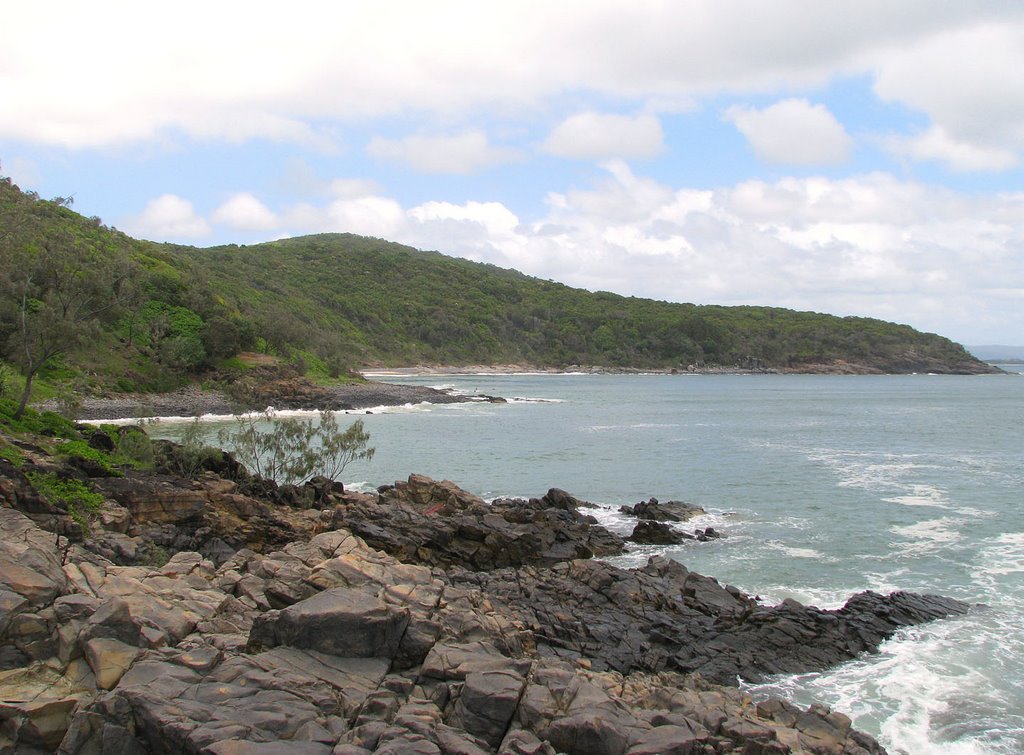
column 57, row 279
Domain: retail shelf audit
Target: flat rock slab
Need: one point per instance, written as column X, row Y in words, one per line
column 341, row 621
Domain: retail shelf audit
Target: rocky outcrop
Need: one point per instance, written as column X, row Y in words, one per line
column 670, row 511
column 416, row 620
column 424, row 521
column 665, row 617
column 259, row 388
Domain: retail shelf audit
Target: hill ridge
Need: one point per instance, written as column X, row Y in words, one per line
column 329, row 304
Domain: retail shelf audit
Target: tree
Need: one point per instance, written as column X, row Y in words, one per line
column 55, row 283
column 293, row 450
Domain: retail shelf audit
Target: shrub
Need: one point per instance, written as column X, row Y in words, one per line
column 39, row 423
column 190, row 455
column 134, row 447
column 293, row 450
column 81, row 503
column 79, row 449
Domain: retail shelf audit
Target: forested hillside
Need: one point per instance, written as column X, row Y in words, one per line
column 375, row 301
column 87, row 306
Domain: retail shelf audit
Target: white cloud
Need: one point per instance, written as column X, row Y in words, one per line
column 353, row 187
column 468, row 152
column 964, row 80
column 369, row 216
column 492, row 216
column 244, row 212
column 167, row 217
column 590, row 136
column 281, row 76
column 793, row 132
column 21, row 170
column 481, row 231
column 870, row 245
column 936, row 144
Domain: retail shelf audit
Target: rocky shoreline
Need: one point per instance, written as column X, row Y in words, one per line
column 194, row 401
column 278, row 388
column 221, row 613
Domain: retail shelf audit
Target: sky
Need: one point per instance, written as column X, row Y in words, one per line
column 851, row 158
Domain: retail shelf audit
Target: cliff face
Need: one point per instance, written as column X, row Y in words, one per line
column 415, row 620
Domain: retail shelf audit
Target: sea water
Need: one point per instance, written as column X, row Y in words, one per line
column 822, row 485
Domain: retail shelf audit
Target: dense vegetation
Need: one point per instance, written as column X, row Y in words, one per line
column 86, row 306
column 375, row 301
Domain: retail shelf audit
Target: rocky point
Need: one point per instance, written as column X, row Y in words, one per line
column 224, row 614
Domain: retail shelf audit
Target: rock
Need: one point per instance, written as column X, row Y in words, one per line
column 30, row 564
column 113, row 620
column 671, row 739
column 488, row 701
column 649, row 532
column 109, row 659
column 474, row 628
column 424, row 521
column 341, row 621
column 587, row 734
column 670, row 511
column 557, row 498
column 665, row 617
column 36, row 726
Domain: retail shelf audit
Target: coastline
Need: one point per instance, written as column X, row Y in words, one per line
column 194, row 401
column 377, row 373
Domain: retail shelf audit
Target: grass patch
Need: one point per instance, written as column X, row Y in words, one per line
column 13, row 455
column 38, row 423
column 79, row 449
column 73, row 495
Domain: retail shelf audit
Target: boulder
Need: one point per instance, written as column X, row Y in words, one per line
column 670, row 511
column 488, row 701
column 341, row 621
column 436, row 523
column 109, row 659
column 650, row 532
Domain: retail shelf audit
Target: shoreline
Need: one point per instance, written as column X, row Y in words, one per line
column 376, row 373
column 194, row 401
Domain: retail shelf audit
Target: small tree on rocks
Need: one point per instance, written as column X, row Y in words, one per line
column 292, row 450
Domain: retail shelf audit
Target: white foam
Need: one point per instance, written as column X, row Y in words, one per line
column 795, row 552
column 636, row 426
column 933, row 530
column 533, row 400
column 271, row 412
column 922, row 495
column 904, row 693
column 1002, row 556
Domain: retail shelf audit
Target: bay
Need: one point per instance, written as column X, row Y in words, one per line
column 823, row 486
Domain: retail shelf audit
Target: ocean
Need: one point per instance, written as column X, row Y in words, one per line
column 822, row 485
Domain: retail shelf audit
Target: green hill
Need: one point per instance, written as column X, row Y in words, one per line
column 381, row 302
column 147, row 316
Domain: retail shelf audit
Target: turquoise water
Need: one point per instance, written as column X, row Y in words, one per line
column 823, row 485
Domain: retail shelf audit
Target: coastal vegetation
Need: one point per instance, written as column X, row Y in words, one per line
column 86, row 310
column 293, row 450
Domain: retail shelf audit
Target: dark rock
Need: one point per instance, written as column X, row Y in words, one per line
column 650, row 532
column 100, row 440
column 488, row 701
column 671, row 511
column 312, row 640
column 665, row 617
column 557, row 498
column 439, row 524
